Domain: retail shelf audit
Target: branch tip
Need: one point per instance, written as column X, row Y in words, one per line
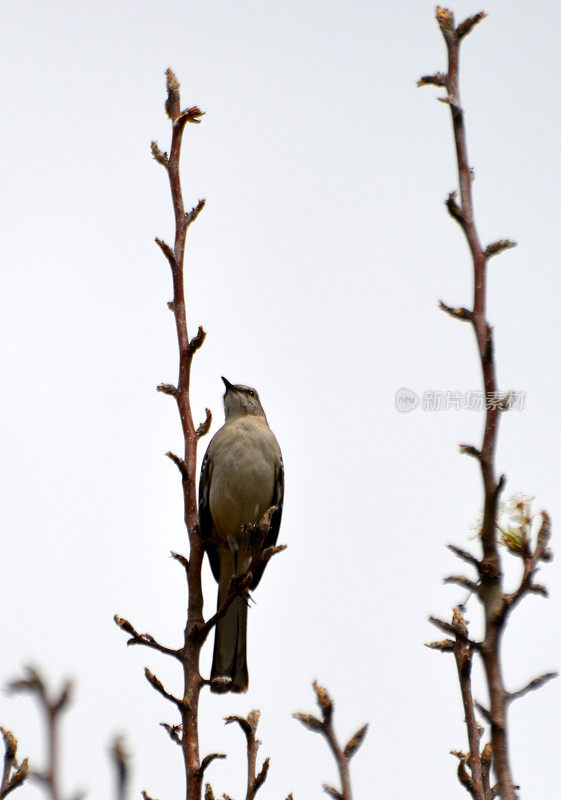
column 468, row 24
column 461, row 313
column 499, row 246
column 437, row 79
column 204, row 427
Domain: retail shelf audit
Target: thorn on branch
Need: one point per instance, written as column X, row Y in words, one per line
column 463, row 314
column 453, row 208
column 147, row 796
column 161, row 158
column 179, row 463
column 468, row 24
column 192, row 215
column 168, row 252
column 204, row 427
column 209, row 794
column 536, row 683
column 469, row 450
column 167, row 388
column 499, row 246
column 437, row 79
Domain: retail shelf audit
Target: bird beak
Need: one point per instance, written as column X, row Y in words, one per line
column 227, row 383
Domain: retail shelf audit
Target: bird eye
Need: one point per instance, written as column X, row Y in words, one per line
column 251, row 393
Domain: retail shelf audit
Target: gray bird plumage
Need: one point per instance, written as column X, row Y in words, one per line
column 242, row 476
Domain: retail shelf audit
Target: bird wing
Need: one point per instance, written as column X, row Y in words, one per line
column 272, row 536
column 205, row 520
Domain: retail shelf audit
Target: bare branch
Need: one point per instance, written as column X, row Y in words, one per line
column 461, row 580
column 500, row 246
column 436, row 79
column 207, row 761
column 13, row 775
column 467, row 25
column 325, row 728
column 159, row 687
column 204, row 427
column 145, row 639
column 463, row 314
column 535, row 683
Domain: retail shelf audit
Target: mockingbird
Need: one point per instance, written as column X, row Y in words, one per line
column 242, row 476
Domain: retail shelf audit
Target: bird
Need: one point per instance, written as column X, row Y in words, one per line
column 242, row 477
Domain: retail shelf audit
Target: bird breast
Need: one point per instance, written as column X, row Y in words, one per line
column 242, row 488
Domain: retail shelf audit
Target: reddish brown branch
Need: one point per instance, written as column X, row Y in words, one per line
column 249, row 727
column 342, row 755
column 496, row 604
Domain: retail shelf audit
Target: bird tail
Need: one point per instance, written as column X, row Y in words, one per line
column 229, row 658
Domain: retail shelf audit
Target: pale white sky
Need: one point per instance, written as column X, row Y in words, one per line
column 315, row 268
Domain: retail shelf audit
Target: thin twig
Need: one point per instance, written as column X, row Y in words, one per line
column 342, row 755
column 489, row 588
column 249, row 727
column 52, row 707
column 13, row 774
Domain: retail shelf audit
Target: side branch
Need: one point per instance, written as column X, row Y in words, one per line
column 249, row 727
column 324, row 726
column 13, row 774
column 145, row 639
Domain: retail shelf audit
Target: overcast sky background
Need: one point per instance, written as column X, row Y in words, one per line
column 315, row 269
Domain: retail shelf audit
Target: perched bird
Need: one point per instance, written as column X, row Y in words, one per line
column 242, row 476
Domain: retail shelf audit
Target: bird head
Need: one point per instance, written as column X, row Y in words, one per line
column 240, row 400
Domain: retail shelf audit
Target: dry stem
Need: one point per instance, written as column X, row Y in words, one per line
column 341, row 755
column 489, row 588
column 13, row 774
column 52, row 708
